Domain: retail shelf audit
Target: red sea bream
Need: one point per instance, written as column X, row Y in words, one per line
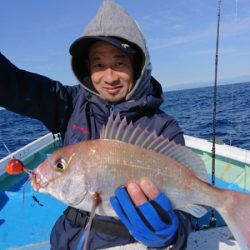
column 74, row 173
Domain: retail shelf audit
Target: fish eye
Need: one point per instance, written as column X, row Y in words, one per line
column 60, row 165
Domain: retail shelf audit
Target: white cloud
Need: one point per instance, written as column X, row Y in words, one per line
column 228, row 29
column 236, row 27
column 160, row 43
column 212, row 51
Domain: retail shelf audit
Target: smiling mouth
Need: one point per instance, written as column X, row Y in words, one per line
column 113, row 90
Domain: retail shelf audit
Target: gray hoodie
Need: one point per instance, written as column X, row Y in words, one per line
column 113, row 20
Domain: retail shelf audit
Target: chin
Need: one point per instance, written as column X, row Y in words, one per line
column 114, row 98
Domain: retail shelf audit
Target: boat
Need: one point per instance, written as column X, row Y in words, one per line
column 25, row 223
column 26, row 217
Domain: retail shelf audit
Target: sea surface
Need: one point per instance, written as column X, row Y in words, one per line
column 192, row 108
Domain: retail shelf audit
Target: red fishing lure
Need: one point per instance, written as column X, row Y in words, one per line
column 15, row 166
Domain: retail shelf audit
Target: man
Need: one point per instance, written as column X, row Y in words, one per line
column 112, row 65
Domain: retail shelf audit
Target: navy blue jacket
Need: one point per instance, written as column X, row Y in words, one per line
column 74, row 112
column 79, row 115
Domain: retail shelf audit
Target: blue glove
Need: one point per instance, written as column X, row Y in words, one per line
column 153, row 223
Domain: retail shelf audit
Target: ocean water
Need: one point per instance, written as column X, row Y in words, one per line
column 192, row 108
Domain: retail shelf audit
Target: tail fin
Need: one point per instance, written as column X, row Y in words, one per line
column 236, row 213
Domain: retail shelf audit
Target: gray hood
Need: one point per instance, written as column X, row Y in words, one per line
column 113, row 20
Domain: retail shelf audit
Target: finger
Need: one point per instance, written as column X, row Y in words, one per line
column 164, row 208
column 152, row 217
column 126, row 209
column 148, row 188
column 135, row 193
column 164, row 202
column 121, row 214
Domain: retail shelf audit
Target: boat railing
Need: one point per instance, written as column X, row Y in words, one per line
column 224, row 150
column 234, row 169
column 29, row 150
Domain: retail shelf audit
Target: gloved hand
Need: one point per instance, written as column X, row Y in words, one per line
column 153, row 223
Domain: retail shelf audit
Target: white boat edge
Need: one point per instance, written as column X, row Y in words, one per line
column 227, row 151
column 29, row 149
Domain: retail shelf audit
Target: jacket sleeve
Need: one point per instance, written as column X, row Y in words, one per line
column 35, row 96
column 184, row 230
column 172, row 131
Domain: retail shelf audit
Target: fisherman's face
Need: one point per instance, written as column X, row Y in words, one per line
column 111, row 71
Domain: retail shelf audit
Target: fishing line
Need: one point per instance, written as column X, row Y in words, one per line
column 7, row 150
column 212, row 221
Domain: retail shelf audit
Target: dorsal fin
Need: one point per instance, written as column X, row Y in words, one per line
column 117, row 129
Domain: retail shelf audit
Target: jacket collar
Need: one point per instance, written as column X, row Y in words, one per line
column 133, row 109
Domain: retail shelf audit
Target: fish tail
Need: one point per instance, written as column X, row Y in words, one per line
column 236, row 213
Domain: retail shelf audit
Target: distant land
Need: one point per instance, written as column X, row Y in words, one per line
column 194, row 85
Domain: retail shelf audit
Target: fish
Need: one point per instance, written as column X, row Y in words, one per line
column 124, row 152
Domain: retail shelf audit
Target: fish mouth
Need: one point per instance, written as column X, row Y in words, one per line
column 38, row 182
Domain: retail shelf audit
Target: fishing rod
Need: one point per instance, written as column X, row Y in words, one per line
column 212, row 221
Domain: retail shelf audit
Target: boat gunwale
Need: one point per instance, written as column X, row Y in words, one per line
column 223, row 150
column 28, row 150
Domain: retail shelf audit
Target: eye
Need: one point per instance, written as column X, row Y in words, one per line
column 96, row 66
column 119, row 64
column 60, row 165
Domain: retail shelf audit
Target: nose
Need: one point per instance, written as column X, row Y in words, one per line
column 110, row 76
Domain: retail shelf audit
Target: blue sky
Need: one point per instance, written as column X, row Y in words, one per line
column 181, row 37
